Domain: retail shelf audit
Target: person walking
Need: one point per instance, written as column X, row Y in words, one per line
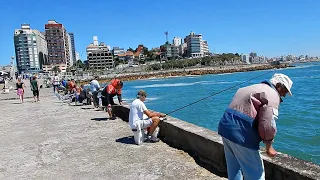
column 35, row 88
column 20, row 89
column 55, row 83
column 250, row 119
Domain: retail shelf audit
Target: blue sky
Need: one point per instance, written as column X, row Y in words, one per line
column 269, row 27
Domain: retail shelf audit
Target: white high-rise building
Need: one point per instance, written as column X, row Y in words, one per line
column 77, row 56
column 30, row 48
column 70, row 60
column 205, row 48
column 177, row 41
column 95, row 41
column 195, row 45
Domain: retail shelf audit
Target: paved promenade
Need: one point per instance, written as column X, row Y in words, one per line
column 53, row 140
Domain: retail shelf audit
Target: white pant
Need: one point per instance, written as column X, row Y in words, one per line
column 139, row 134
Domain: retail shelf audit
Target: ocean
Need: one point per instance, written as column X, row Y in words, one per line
column 299, row 115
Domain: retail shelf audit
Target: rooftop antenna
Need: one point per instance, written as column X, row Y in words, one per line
column 166, row 33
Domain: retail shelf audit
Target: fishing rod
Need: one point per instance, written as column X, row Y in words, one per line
column 178, row 109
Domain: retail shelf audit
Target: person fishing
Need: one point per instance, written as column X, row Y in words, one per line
column 111, row 90
column 250, row 119
column 136, row 120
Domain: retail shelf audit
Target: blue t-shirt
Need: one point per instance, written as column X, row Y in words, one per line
column 64, row 83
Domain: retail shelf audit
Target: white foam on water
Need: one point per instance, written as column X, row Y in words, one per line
column 303, row 66
column 164, row 85
column 184, row 84
column 151, row 99
column 156, row 79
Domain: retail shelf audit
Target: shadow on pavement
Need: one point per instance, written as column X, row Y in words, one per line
column 16, row 103
column 85, row 108
column 99, row 119
column 126, row 140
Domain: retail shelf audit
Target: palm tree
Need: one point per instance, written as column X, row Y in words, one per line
column 56, row 69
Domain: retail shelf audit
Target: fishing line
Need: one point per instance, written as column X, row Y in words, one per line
column 178, row 109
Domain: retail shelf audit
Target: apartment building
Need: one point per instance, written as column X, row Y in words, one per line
column 99, row 55
column 58, row 44
column 30, row 49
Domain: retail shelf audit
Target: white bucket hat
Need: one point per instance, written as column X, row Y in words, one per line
column 284, row 80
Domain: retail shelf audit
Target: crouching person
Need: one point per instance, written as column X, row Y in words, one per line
column 138, row 123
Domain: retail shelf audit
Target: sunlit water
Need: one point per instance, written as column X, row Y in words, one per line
column 299, row 115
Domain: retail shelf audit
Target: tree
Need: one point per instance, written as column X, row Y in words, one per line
column 56, row 69
column 130, row 49
column 79, row 64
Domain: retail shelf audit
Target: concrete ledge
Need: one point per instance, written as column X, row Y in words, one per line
column 207, row 149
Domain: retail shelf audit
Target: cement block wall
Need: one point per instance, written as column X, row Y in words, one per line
column 207, row 149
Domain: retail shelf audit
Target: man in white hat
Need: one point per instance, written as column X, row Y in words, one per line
column 250, row 119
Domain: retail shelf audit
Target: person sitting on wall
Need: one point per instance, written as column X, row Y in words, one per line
column 111, row 90
column 137, row 110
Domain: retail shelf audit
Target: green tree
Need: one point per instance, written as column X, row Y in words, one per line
column 130, row 49
column 79, row 64
column 56, row 69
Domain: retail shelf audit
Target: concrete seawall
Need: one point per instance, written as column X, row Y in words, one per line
column 206, row 147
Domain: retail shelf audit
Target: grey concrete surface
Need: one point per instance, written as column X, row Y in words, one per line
column 53, row 140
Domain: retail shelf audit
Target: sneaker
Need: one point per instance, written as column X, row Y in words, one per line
column 154, row 139
column 113, row 118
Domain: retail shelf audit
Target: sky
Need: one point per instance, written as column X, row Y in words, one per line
column 267, row 27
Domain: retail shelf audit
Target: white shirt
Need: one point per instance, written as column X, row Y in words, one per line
column 136, row 112
column 56, row 80
column 94, row 85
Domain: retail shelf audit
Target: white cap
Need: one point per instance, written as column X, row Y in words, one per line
column 284, row 80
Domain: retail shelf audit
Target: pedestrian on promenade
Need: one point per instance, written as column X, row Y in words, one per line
column 111, row 90
column 250, row 119
column 136, row 120
column 55, row 83
column 94, row 88
column 35, row 88
column 20, row 89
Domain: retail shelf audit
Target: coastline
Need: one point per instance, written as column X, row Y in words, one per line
column 188, row 72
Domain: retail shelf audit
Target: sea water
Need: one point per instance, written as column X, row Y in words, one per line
column 299, row 116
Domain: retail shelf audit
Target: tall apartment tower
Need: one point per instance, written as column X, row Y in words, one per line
column 58, row 44
column 73, row 48
column 99, row 55
column 70, row 62
column 30, row 49
column 196, row 46
column 194, row 43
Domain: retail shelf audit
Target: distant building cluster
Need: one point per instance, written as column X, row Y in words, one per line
column 253, row 58
column 193, row 46
column 55, row 47
column 41, row 51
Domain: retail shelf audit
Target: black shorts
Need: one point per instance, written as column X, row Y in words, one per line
column 35, row 93
column 105, row 102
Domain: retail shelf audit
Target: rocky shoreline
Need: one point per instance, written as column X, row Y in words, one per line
column 190, row 72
